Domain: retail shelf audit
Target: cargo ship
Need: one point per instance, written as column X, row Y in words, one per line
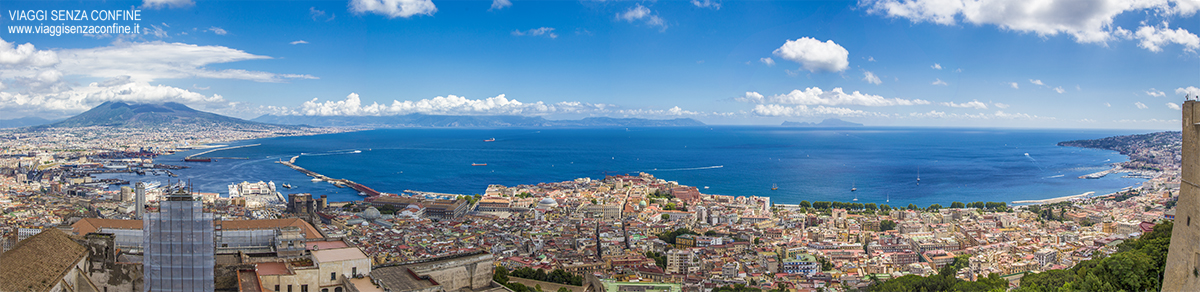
column 189, row 159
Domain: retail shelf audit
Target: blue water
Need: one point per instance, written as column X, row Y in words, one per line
column 811, row 164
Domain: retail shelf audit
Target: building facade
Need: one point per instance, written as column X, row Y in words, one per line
column 179, row 247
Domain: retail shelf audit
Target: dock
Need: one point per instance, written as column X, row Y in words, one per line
column 338, row 182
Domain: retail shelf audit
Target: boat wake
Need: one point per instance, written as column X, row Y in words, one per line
column 335, row 152
column 690, row 168
column 1054, row 176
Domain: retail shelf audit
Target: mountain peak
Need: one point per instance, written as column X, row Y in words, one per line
column 135, row 115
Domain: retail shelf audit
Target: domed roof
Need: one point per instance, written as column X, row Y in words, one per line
column 549, row 202
column 370, row 214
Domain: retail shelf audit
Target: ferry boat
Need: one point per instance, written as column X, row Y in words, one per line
column 478, row 164
column 197, row 160
column 490, row 140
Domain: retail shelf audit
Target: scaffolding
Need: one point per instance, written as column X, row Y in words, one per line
column 179, row 248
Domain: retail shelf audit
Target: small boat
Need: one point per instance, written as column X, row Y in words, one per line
column 197, row 160
column 478, row 164
column 316, row 180
column 852, row 187
column 918, row 175
column 774, row 187
column 285, row 185
column 490, row 140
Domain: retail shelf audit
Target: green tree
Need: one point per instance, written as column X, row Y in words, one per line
column 666, row 216
column 563, row 289
column 886, row 225
column 500, row 275
column 870, row 207
column 957, row 205
column 805, row 204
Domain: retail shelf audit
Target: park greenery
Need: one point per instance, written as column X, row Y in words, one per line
column 558, row 276
column 1136, row 266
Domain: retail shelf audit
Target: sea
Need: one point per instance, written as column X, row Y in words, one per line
column 882, row 164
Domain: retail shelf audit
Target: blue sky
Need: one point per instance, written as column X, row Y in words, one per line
column 987, row 63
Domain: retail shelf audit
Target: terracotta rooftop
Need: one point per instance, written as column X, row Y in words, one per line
column 39, row 262
column 266, row 269
column 89, row 225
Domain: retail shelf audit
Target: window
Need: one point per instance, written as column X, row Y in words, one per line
column 303, row 288
column 353, row 271
column 332, row 276
column 338, row 289
column 289, row 288
column 276, row 288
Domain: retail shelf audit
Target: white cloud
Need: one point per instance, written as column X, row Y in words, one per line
column 639, row 12
column 768, row 61
column 1127, row 121
column 1088, row 21
column 158, row 4
column 970, row 104
column 500, row 4
column 541, row 31
column 936, row 66
column 939, row 81
column 816, row 96
column 814, row 55
column 1190, row 90
column 117, row 89
column 1038, row 82
column 1059, row 90
column 959, row 70
column 1000, row 105
column 1172, row 105
column 1153, row 38
column 298, row 42
column 981, row 116
column 23, row 55
column 870, row 59
column 774, row 110
column 707, row 4
column 1107, row 104
column 319, row 14
column 394, row 8
column 217, row 30
column 154, row 60
column 1140, row 105
column 1155, row 93
column 1014, row 85
column 871, row 78
column 445, row 105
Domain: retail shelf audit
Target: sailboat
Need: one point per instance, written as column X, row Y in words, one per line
column 889, row 197
column 852, row 187
column 856, row 197
column 774, row 187
column 918, row 175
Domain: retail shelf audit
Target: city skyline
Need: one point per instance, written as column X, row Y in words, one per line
column 1053, row 64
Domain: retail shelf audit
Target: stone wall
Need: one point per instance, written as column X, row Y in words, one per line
column 473, row 271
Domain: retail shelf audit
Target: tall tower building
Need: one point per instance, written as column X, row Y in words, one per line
column 179, row 248
column 140, row 194
column 1183, row 257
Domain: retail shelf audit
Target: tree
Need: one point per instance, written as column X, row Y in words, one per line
column 957, row 205
column 870, row 206
column 710, row 233
column 563, row 289
column 912, row 206
column 935, row 207
column 805, row 204
column 666, row 216
column 885, row 208
column 886, row 225
column 500, row 275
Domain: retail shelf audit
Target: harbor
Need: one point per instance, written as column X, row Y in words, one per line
column 363, row 190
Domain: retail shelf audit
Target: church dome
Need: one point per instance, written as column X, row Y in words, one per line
column 370, row 214
column 548, row 202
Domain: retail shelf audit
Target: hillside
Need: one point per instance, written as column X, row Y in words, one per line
column 1155, row 151
column 120, row 114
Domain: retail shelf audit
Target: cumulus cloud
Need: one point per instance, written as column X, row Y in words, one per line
column 768, row 61
column 983, row 116
column 816, row 96
column 1155, row 93
column 707, row 4
column 775, row 110
column 541, row 31
column 117, row 89
column 936, row 66
column 1085, row 21
column 939, row 81
column 158, row 4
column 871, row 78
column 1172, row 105
column 1037, row 82
column 1014, row 85
column 1153, row 38
column 971, row 104
column 352, row 105
column 1059, row 90
column 148, row 61
column 1190, row 90
column 1140, row 105
column 12, row 55
column 1000, row 105
column 814, row 55
column 641, row 13
column 500, row 4
column 394, row 8
column 298, row 42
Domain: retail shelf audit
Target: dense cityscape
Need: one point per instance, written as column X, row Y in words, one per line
column 617, row 233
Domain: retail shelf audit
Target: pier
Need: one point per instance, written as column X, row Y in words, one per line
column 339, row 182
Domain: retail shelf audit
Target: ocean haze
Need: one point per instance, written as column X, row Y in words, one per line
column 814, row 164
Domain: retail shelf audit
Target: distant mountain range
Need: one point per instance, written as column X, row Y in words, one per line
column 120, row 114
column 24, row 122
column 422, row 120
column 825, row 123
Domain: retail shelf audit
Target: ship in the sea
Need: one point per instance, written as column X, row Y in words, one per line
column 490, row 140
column 199, row 159
column 478, row 164
column 256, row 194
